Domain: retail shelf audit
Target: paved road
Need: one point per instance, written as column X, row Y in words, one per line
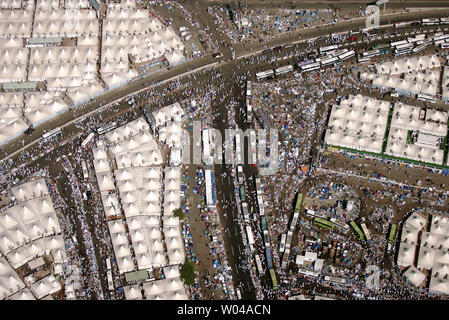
column 149, row 82
column 233, row 239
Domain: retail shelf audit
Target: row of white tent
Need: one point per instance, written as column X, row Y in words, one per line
column 51, row 5
column 80, row 53
column 36, row 107
column 130, row 31
column 358, row 122
column 433, row 251
column 28, row 230
column 12, row 286
column 135, row 189
column 10, row 4
column 413, row 84
column 407, row 65
column 73, row 69
column 163, row 289
column 406, row 118
column 445, row 84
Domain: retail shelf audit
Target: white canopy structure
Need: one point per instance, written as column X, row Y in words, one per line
column 12, row 123
column 409, row 235
column 133, row 292
column 358, row 123
column 31, row 228
column 426, row 258
column 439, row 285
column 173, row 112
column 165, row 289
column 45, row 286
column 414, row 276
column 128, row 31
column 138, row 180
column 409, row 118
column 111, row 204
column 10, row 4
column 406, row 255
column 416, row 221
column 24, row 294
column 407, row 65
column 445, row 84
column 10, row 282
column 120, row 244
column 439, row 225
column 42, row 106
column 65, row 23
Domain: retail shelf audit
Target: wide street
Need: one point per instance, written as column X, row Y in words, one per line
column 249, row 61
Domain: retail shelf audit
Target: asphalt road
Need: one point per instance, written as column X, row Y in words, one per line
column 233, row 239
column 151, row 81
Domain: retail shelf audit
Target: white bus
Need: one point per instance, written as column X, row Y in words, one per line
column 328, row 48
column 258, row 264
column 108, row 264
column 313, row 213
column 88, row 140
column 210, row 191
column 253, row 148
column 208, row 157
column 404, row 47
column 261, row 205
column 248, row 89
column 282, row 70
column 441, row 37
column 327, row 62
column 444, row 20
column 439, row 42
column 285, row 258
column 110, row 280
column 340, row 224
column 430, row 22
column 347, row 55
column 288, row 241
column 366, row 231
column 51, row 133
column 258, row 186
column 264, row 74
column 245, row 212
column 419, row 48
column 418, row 37
column 398, row 43
column 249, row 113
column 294, row 221
column 282, row 243
column 400, row 25
column 238, row 151
column 444, row 45
column 335, row 280
column 250, row 235
column 108, row 128
column 371, row 53
column 364, row 60
column 426, row 97
column 310, row 67
column 266, row 239
column 84, row 167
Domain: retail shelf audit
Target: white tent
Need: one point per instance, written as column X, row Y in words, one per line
column 415, row 276
column 45, row 286
column 133, row 292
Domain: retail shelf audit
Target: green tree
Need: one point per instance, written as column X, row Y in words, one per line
column 179, row 213
column 188, row 273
